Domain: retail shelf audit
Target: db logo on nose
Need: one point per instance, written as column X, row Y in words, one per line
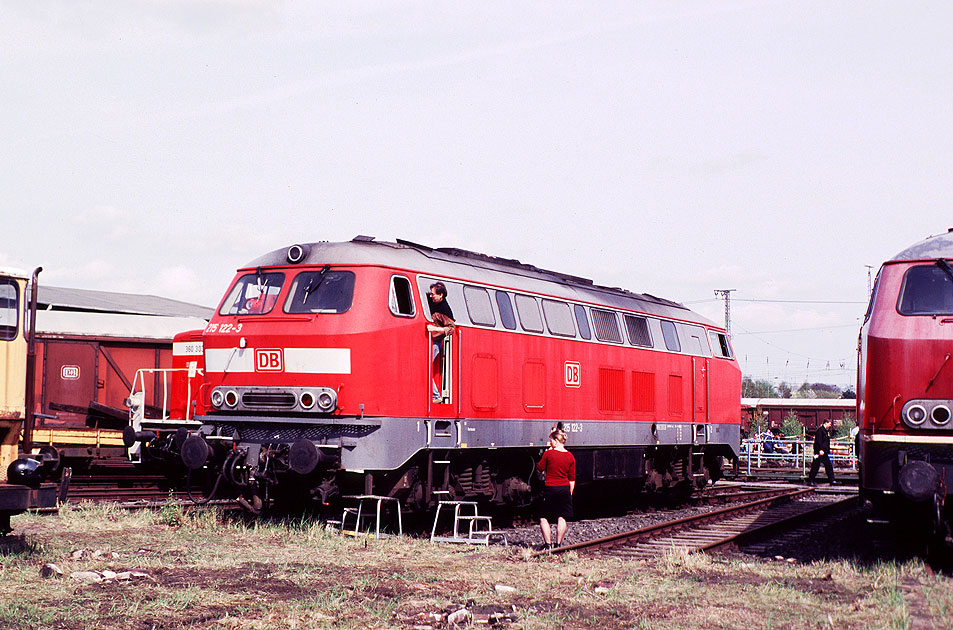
column 268, row 360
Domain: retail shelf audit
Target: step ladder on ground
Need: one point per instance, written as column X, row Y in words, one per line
column 479, row 529
column 365, row 515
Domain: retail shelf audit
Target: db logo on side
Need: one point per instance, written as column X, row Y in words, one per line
column 69, row 372
column 268, row 360
column 573, row 379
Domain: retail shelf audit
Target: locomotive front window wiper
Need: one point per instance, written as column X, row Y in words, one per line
column 262, row 282
column 314, row 283
column 945, row 266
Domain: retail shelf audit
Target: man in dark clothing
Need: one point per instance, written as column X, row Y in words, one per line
column 441, row 327
column 822, row 450
column 437, row 300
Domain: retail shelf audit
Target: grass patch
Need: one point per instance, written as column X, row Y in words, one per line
column 211, row 570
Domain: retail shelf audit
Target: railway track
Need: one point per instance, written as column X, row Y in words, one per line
column 120, row 489
column 782, row 510
column 126, row 488
column 734, row 493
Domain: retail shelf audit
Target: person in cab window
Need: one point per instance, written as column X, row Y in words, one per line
column 441, row 327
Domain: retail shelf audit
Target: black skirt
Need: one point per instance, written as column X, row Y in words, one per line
column 557, row 502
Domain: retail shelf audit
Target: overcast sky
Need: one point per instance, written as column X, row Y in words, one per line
column 674, row 148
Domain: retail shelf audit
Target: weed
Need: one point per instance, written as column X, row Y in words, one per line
column 214, row 570
column 170, row 514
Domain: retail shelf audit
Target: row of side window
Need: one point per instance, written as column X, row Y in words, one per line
column 562, row 319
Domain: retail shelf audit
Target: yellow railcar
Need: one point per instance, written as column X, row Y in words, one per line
column 25, row 490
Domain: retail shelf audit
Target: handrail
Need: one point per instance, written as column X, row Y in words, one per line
column 794, row 451
column 136, row 402
column 139, row 379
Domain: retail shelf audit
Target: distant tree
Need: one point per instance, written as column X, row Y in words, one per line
column 792, row 425
column 784, row 389
column 804, row 391
column 758, row 425
column 848, row 393
column 761, row 388
column 845, row 426
column 823, row 390
column 818, row 390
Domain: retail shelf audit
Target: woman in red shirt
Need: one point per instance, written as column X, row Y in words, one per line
column 560, row 468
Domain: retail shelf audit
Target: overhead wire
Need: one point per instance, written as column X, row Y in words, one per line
column 840, row 365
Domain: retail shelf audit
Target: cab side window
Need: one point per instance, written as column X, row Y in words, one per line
column 9, row 309
column 401, row 299
column 719, row 341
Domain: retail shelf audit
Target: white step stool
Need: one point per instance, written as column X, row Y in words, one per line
column 476, row 535
column 360, row 515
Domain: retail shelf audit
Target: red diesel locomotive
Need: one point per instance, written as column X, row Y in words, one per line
column 905, row 386
column 318, row 379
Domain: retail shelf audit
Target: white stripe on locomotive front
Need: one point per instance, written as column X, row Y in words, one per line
column 296, row 360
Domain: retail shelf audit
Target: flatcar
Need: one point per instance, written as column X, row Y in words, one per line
column 320, row 379
column 905, row 389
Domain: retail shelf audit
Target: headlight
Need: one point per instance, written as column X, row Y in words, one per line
column 327, row 400
column 916, row 414
column 217, row 398
column 297, row 253
column 940, row 415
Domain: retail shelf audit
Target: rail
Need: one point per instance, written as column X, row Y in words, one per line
column 712, row 530
column 794, row 453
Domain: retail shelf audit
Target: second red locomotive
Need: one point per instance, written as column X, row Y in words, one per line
column 319, row 379
column 905, row 388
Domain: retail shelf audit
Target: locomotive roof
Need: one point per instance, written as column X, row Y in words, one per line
column 452, row 262
column 932, row 248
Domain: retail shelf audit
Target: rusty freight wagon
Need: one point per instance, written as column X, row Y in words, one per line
column 90, row 346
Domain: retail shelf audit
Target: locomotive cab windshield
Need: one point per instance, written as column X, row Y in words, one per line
column 253, row 294
column 927, row 290
column 321, row 291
